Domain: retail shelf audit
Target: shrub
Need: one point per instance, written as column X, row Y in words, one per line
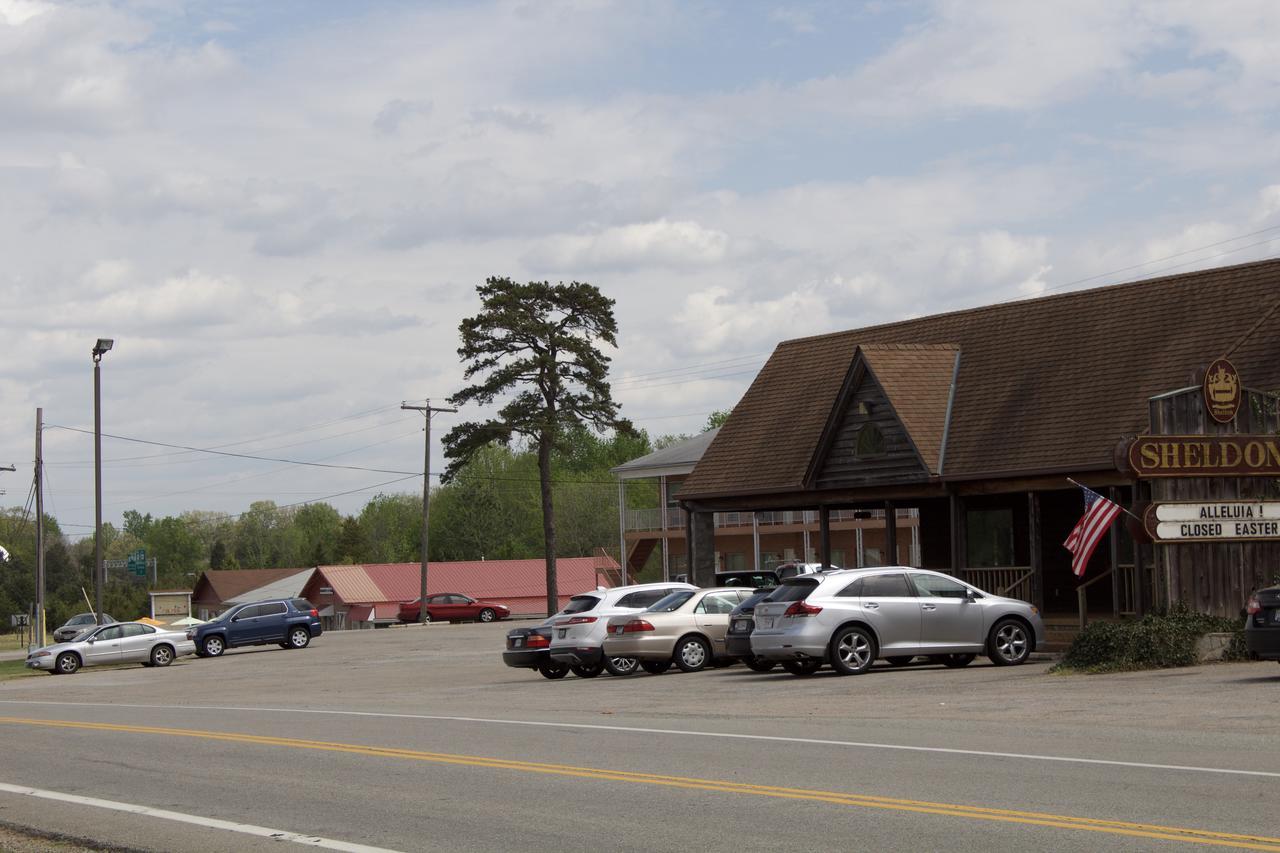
column 1156, row 641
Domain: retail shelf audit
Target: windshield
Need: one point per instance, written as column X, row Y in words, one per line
column 671, row 602
column 581, row 604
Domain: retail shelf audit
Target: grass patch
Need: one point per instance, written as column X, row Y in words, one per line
column 1156, row 641
column 15, row 669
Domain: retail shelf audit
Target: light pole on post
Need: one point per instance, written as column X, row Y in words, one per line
column 427, row 410
column 99, row 578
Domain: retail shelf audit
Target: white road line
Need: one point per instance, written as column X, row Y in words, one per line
column 851, row 744
column 212, row 823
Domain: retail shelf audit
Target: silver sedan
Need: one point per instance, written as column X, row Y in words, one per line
column 852, row 618
column 123, row 642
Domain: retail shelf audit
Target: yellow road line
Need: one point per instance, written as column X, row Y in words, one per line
column 1112, row 827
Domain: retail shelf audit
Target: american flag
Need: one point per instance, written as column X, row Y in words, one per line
column 1098, row 515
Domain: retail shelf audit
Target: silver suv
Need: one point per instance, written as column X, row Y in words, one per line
column 851, row 618
column 577, row 637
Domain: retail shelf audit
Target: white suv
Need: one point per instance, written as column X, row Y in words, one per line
column 577, row 638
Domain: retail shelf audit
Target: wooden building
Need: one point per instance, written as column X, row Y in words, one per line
column 979, row 419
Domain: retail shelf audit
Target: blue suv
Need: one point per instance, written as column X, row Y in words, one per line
column 288, row 622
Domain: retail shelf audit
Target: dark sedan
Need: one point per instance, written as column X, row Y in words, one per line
column 528, row 648
column 454, row 607
column 737, row 640
column 1262, row 624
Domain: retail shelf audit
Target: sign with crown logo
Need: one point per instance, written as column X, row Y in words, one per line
column 1222, row 391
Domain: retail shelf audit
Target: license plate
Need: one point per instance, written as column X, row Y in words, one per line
column 742, row 626
column 517, row 642
column 618, row 629
column 560, row 632
column 1277, row 614
column 764, row 621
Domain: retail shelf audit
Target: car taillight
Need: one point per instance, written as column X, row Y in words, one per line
column 315, row 614
column 578, row 620
column 191, row 635
column 537, row 641
column 1254, row 606
column 799, row 608
column 635, row 626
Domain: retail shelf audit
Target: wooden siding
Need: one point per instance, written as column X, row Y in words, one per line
column 898, row 464
column 1214, row 577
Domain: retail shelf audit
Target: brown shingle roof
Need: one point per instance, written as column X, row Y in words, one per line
column 217, row 585
column 1044, row 384
column 917, row 380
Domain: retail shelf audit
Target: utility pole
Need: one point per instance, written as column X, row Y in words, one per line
column 428, row 411
column 38, row 628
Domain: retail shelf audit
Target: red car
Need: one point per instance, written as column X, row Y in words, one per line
column 454, row 607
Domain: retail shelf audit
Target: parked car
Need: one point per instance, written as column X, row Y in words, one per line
column 852, row 618
column 530, row 648
column 120, row 642
column 77, row 624
column 685, row 628
column 453, row 607
column 290, row 622
column 737, row 638
column 1262, row 624
column 578, row 641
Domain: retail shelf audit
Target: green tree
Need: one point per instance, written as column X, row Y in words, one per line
column 391, row 529
column 717, row 419
column 535, row 344
column 217, row 555
column 350, row 542
column 319, row 527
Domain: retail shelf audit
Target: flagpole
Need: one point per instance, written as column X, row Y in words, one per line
column 1122, row 509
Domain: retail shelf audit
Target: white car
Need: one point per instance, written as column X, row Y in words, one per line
column 577, row 638
column 122, row 642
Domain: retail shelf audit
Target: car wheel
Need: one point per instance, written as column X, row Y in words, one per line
column 587, row 670
column 808, row 666
column 162, row 655
column 66, row 663
column 953, row 661
column 299, row 637
column 692, row 654
column 1008, row 644
column 900, row 660
column 553, row 670
column 214, row 646
column 759, row 664
column 620, row 666
column 853, row 650
column 655, row 667
column 487, row 615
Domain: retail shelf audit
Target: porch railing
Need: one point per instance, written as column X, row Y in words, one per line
column 651, row 519
column 1009, row 581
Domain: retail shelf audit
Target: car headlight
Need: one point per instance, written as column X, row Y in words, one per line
column 40, row 654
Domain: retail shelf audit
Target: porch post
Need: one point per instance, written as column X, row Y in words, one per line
column 958, row 553
column 824, row 535
column 1114, row 535
column 666, row 548
column 622, row 528
column 702, row 548
column 1037, row 561
column 891, row 534
column 755, row 538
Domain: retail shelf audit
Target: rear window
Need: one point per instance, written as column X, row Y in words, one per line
column 671, row 602
column 793, row 590
column 303, row 605
column 581, row 604
column 749, row 604
column 643, row 597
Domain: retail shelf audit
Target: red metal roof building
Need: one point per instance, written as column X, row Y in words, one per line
column 353, row 596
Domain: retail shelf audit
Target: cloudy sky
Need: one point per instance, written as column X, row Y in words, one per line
column 280, row 211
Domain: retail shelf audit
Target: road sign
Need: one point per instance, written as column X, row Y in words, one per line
column 1214, row 521
column 138, row 563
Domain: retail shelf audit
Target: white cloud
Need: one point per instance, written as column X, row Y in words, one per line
column 659, row 244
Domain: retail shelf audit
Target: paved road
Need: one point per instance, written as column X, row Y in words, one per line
column 419, row 739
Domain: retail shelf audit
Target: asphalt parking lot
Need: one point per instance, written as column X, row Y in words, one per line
column 439, row 697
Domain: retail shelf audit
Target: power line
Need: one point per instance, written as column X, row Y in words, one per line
column 235, row 455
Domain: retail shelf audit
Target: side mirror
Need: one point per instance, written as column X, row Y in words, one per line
column 971, row 596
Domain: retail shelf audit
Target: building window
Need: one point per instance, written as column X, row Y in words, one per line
column 735, row 562
column 870, row 442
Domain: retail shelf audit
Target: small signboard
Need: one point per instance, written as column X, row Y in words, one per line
column 138, row 563
column 1222, row 391
column 1214, row 521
